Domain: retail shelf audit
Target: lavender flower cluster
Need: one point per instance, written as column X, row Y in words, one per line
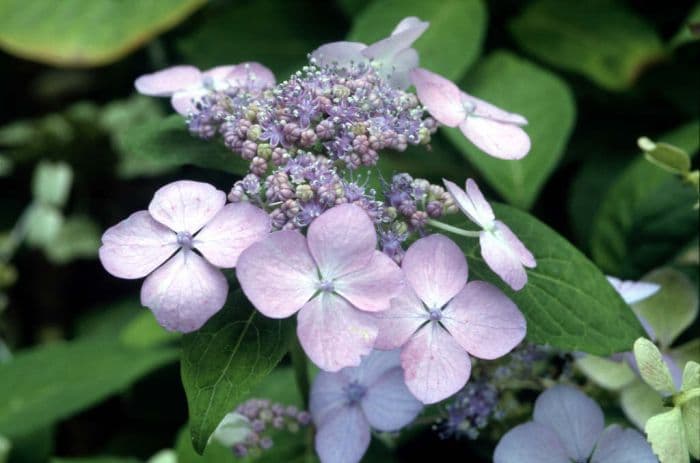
column 347, row 115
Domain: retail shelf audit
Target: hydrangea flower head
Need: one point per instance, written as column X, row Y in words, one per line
column 187, row 84
column 345, row 405
column 504, row 253
column 493, row 130
column 392, row 56
column 334, row 277
column 184, row 288
column 439, row 319
column 569, row 427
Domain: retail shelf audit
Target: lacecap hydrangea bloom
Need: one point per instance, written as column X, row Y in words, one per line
column 179, row 243
column 569, row 427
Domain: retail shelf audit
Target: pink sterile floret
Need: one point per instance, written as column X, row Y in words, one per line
column 333, row 277
column 184, row 288
column 439, row 319
column 491, row 129
column 503, row 252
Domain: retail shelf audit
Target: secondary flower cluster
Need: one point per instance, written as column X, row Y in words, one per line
column 307, row 237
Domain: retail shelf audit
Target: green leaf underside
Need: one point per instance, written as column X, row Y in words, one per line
column 519, row 86
column 168, row 142
column 600, row 39
column 451, row 43
column 645, row 214
column 225, row 359
column 568, row 302
column 51, row 382
column 85, row 33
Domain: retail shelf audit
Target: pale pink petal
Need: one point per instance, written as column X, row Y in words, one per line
column 481, row 206
column 278, row 274
column 333, row 333
column 185, row 292
column 530, row 443
column 372, row 287
column 406, row 32
column 440, row 96
column 186, row 206
column 134, row 247
column 485, row 109
column 327, row 396
column 465, row 204
column 618, row 445
column 343, row 437
column 410, row 23
column 397, row 73
column 633, row 291
column 230, row 232
column 341, row 54
column 185, row 101
column 435, row 366
column 388, row 404
column 504, row 254
column 218, row 74
column 436, row 269
column 168, row 81
column 498, row 139
column 342, row 240
column 398, row 324
column 252, row 76
column 576, row 418
column 484, row 321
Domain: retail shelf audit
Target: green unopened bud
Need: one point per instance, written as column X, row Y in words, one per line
column 251, row 114
column 304, row 192
column 665, row 156
column 424, row 136
column 254, row 132
column 341, row 91
column 399, row 227
column 391, row 212
column 264, row 150
column 359, row 128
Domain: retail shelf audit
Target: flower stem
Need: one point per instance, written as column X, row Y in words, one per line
column 301, row 370
column 455, row 230
column 683, row 397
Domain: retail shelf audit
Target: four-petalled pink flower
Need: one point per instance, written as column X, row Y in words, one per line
column 185, row 287
column 493, row 130
column 187, row 84
column 345, row 405
column 503, row 252
column 334, row 277
column 439, row 319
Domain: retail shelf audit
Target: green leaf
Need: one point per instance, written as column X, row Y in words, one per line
column 451, row 43
column 601, row 39
column 95, row 460
column 690, row 351
column 691, row 408
column 645, row 214
column 652, row 367
column 673, row 308
column 667, row 437
column 78, row 33
column 606, row 373
column 214, row 453
column 640, row 402
column 51, row 183
column 684, row 34
column 545, row 100
column 144, row 331
column 167, row 142
column 278, row 34
column 668, row 157
column 568, row 302
column 225, row 359
column 5, row 447
column 51, row 382
column 78, row 238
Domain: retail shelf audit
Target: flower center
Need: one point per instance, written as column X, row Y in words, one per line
column 435, row 315
column 184, row 239
column 354, row 392
column 326, row 286
column 469, row 107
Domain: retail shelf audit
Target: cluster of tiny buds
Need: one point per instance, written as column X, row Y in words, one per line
column 471, row 410
column 302, row 189
column 265, row 416
column 345, row 115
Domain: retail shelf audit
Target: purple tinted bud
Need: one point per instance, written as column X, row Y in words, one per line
column 257, row 426
column 407, row 207
column 249, row 150
column 265, row 443
column 434, row 209
column 419, row 219
column 258, row 166
column 304, row 418
column 240, row 450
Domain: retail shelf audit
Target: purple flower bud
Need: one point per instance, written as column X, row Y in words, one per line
column 249, row 150
column 434, row 209
column 419, row 219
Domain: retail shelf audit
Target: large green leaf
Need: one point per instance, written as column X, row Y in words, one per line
column 567, row 301
column 166, row 141
column 278, row 34
column 646, row 216
column 451, row 43
column 51, row 382
column 545, row 100
column 80, row 33
column 600, row 39
column 225, row 359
